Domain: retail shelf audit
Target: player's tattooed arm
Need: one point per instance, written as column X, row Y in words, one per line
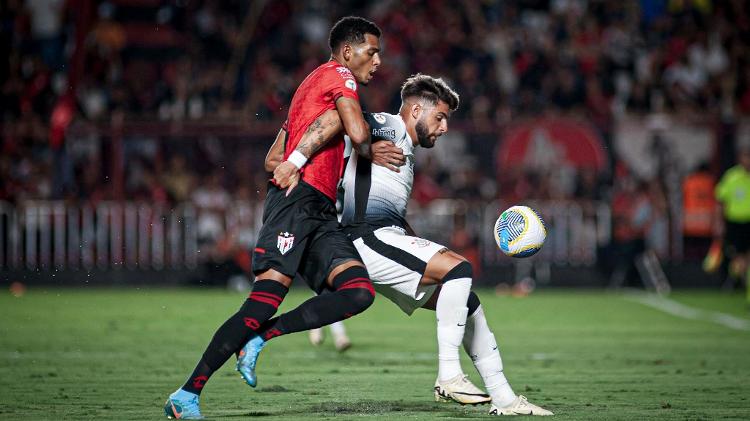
column 319, row 133
column 324, row 128
column 276, row 154
column 314, row 138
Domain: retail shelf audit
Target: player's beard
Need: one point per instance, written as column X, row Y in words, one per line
column 423, row 135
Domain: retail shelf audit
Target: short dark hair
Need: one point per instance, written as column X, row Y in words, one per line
column 351, row 29
column 430, row 89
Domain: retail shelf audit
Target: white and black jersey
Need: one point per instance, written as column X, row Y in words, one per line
column 374, row 216
column 375, row 196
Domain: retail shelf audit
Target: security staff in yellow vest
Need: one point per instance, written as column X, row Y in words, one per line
column 733, row 195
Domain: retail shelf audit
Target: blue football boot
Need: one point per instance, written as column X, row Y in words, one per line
column 248, row 357
column 183, row 405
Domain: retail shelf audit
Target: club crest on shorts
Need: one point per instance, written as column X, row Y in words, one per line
column 285, row 242
column 420, row 242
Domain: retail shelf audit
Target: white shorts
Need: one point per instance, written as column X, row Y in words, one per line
column 396, row 263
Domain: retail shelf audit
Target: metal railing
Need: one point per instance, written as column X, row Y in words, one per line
column 54, row 235
column 42, row 235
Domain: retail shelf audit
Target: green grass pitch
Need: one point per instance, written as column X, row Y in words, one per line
column 116, row 354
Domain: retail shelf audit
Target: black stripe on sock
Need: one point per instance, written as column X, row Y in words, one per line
column 473, row 303
column 394, row 253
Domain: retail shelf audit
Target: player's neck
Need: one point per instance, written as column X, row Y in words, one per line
column 410, row 129
column 338, row 60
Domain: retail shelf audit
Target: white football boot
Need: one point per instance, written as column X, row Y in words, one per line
column 520, row 406
column 460, row 389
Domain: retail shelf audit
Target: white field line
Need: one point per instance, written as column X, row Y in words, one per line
column 686, row 312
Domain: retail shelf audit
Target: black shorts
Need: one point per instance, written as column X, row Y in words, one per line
column 737, row 237
column 301, row 235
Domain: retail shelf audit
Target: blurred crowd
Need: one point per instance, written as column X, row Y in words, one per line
column 75, row 68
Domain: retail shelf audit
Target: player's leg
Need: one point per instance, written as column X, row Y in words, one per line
column 270, row 288
column 454, row 275
column 407, row 270
column 340, row 339
column 736, row 244
column 274, row 259
column 331, row 262
column 268, row 292
column 743, row 249
column 351, row 293
column 480, row 344
column 316, row 336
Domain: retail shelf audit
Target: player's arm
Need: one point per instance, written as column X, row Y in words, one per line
column 276, row 154
column 318, row 133
column 355, row 125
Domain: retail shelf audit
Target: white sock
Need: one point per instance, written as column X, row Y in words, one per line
column 337, row 329
column 481, row 346
column 451, row 314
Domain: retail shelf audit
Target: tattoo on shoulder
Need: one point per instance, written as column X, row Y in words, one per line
column 443, row 250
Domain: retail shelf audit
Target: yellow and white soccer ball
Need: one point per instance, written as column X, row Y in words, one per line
column 520, row 231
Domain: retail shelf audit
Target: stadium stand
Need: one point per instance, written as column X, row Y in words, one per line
column 153, row 102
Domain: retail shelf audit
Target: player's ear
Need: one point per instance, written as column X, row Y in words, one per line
column 346, row 52
column 416, row 110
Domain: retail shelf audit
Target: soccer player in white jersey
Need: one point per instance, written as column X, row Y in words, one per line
column 414, row 272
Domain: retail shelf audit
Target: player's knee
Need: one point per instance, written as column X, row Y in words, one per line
column 362, row 298
column 355, row 283
column 460, row 271
column 351, row 277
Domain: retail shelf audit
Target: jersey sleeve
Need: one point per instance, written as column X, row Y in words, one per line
column 341, row 83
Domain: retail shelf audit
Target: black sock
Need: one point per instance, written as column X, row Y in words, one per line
column 236, row 331
column 352, row 295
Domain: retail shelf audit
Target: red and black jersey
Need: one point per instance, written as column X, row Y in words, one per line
column 314, row 96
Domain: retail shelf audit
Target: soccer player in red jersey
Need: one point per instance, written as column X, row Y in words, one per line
column 300, row 233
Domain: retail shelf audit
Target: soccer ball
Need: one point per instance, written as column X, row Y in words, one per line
column 520, row 231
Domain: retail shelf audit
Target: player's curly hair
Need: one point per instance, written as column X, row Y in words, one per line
column 430, row 89
column 351, row 29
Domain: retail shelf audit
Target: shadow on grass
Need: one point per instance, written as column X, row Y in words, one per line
column 274, row 389
column 372, row 407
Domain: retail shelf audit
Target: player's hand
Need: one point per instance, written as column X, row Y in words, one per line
column 286, row 175
column 386, row 154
